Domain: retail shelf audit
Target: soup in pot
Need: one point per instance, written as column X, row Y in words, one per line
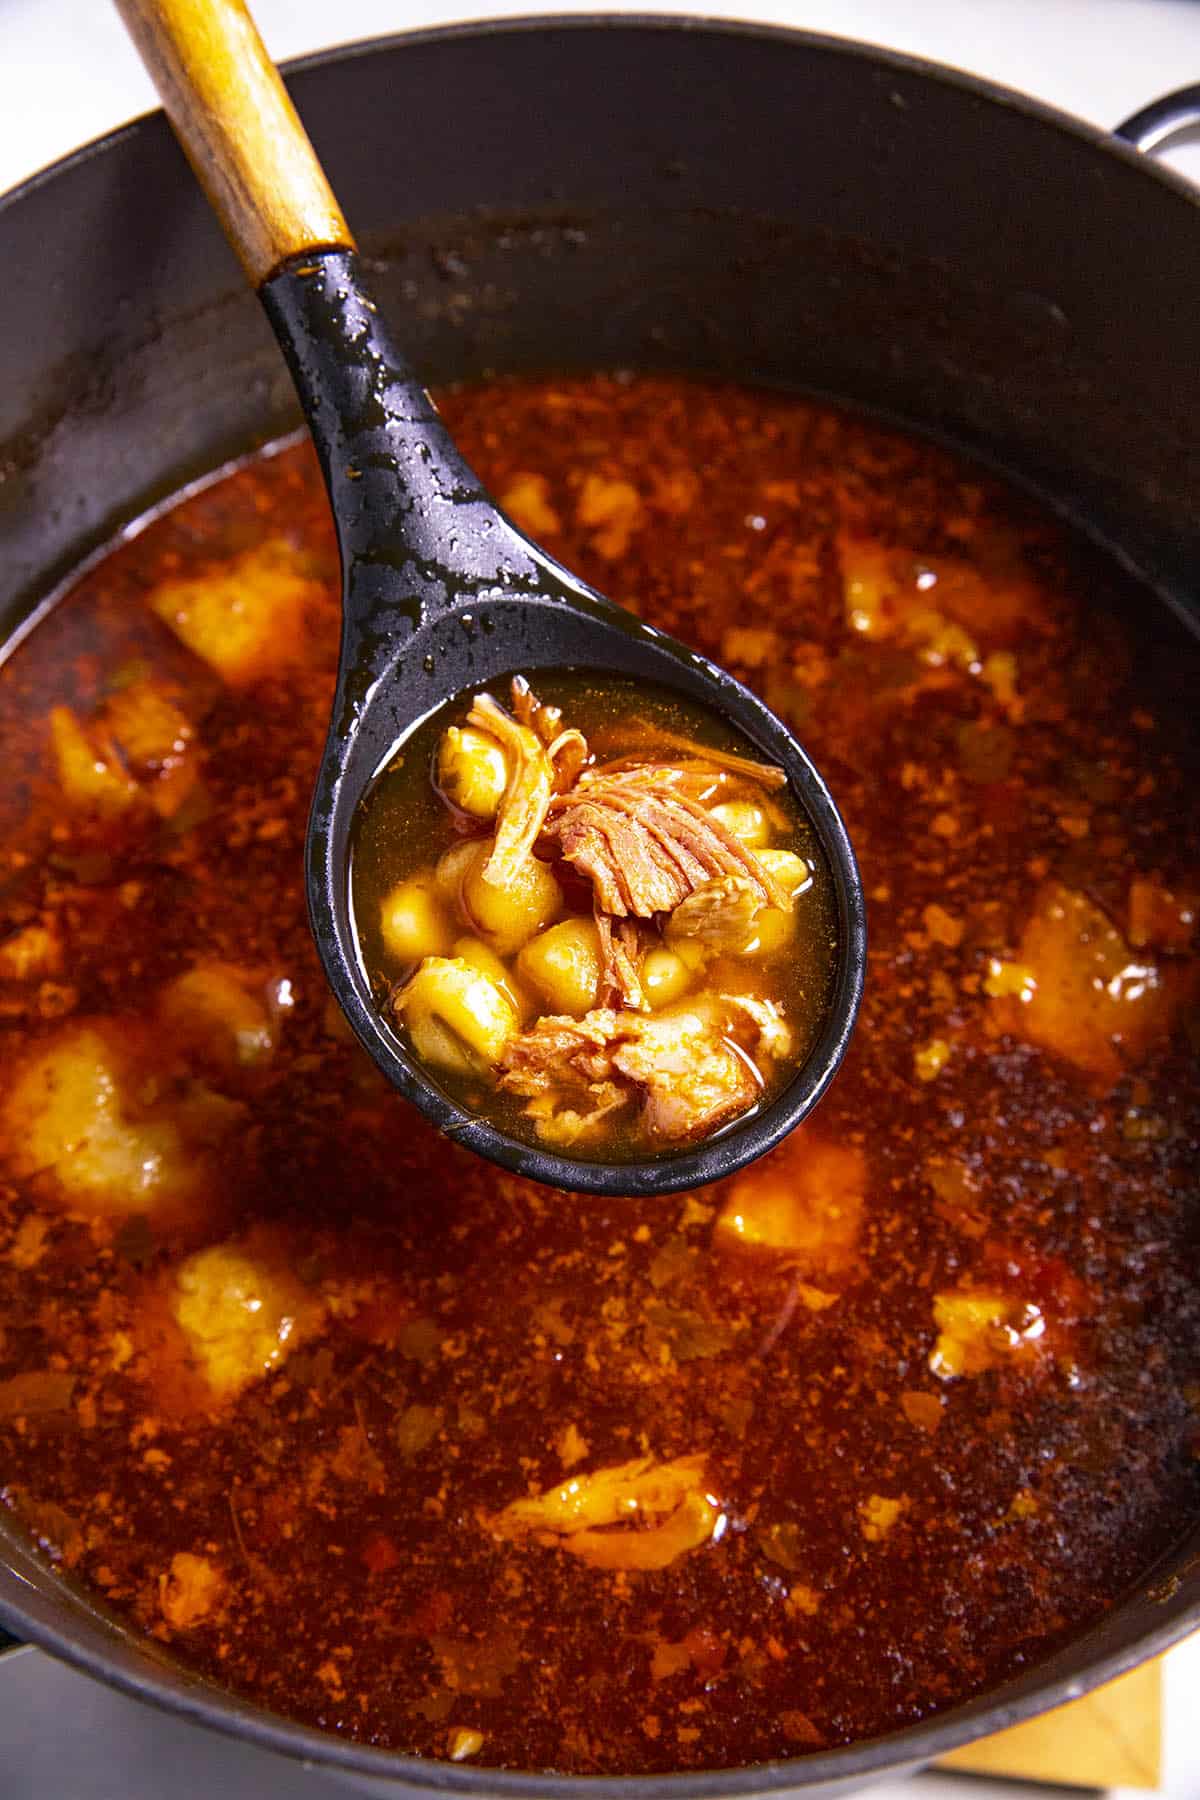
column 394, row 1443
column 601, row 923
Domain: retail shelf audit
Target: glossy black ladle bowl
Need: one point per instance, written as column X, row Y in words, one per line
column 441, row 593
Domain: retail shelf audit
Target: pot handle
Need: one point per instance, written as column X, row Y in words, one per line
column 1152, row 128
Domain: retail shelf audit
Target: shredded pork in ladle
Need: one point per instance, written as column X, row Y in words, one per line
column 667, row 875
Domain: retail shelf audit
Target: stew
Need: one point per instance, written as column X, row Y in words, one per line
column 391, row 1442
column 604, row 935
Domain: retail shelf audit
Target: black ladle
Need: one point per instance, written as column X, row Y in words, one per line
column 440, row 592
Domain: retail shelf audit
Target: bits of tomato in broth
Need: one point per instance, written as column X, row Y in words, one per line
column 392, row 1442
column 594, row 993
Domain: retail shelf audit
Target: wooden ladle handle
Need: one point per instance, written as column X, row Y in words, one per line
column 232, row 114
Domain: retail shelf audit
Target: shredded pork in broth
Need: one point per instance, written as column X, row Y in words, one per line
column 599, row 950
column 385, row 1439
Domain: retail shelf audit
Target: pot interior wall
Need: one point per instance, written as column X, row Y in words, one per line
column 726, row 202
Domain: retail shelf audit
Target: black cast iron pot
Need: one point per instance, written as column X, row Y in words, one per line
column 583, row 193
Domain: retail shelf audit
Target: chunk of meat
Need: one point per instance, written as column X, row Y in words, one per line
column 149, row 724
column 463, row 1741
column 620, row 955
column 687, row 1528
column 878, row 1513
column 137, row 751
column 539, row 715
column 939, row 604
column 89, row 1112
column 645, row 849
column 91, row 774
column 242, row 1311
column 659, row 1511
column 759, row 1025
column 686, row 1074
column 566, row 747
column 263, row 611
column 626, row 1493
column 719, row 914
column 191, row 1591
column 219, row 1012
column 804, row 1202
column 692, row 1078
column 611, row 509
column 980, row 1328
column 526, row 500
column 1088, row 996
column 527, row 796
column 699, row 761
column 561, row 1051
column 567, row 1116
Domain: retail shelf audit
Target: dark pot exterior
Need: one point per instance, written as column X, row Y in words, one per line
column 722, row 199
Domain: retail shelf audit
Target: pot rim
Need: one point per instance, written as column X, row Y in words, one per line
column 710, row 25
column 898, row 1752
column 204, row 1702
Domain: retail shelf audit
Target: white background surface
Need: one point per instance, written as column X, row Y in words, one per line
column 66, row 75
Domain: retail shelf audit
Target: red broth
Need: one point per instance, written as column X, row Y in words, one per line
column 393, row 1443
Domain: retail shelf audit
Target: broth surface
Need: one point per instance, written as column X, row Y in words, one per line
column 302, row 1390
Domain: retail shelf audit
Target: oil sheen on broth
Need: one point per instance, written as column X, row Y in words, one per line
column 600, row 994
column 388, row 1440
